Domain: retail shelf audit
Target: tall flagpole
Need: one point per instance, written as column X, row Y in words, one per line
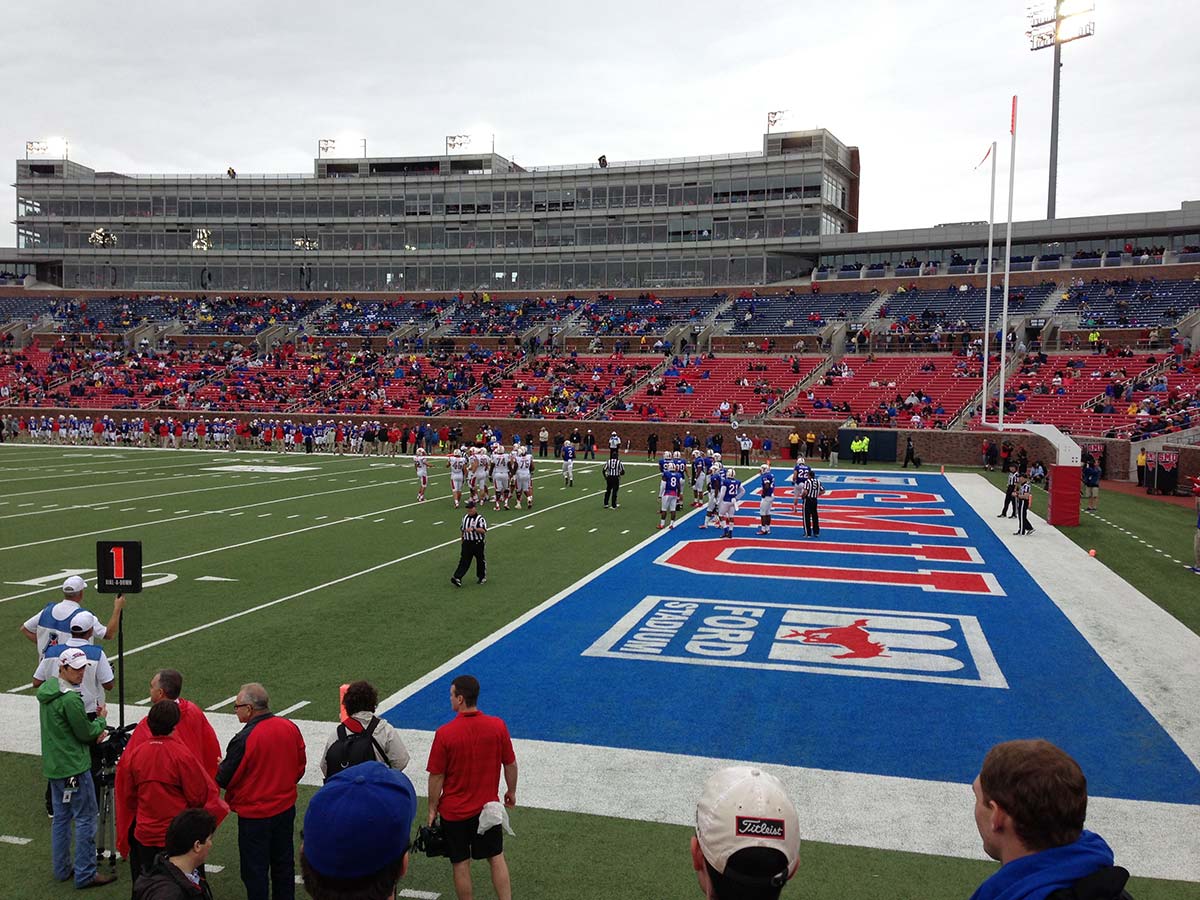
column 1012, row 171
column 987, row 302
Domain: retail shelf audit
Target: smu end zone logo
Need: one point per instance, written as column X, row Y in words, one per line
column 943, row 648
column 756, row 826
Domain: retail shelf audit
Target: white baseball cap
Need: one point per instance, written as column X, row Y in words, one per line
column 82, row 622
column 72, row 658
column 741, row 807
column 74, row 585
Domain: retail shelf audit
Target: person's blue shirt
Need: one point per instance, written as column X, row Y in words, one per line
column 568, row 452
column 1091, row 476
column 768, row 484
column 729, row 489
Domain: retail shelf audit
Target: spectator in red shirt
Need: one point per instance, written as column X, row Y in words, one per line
column 464, row 767
column 193, row 729
column 156, row 781
column 262, row 765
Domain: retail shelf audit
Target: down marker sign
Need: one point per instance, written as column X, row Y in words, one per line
column 119, row 564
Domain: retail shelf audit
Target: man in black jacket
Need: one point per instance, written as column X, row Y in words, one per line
column 178, row 872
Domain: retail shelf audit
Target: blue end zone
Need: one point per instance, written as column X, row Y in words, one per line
column 850, row 651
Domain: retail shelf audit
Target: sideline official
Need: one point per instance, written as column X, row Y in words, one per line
column 474, row 535
column 1010, row 497
column 613, row 470
column 812, row 490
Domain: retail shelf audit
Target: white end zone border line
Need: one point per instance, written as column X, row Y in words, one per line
column 1153, row 654
column 1156, row 840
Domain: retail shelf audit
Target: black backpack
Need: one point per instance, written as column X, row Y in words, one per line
column 1107, row 883
column 352, row 748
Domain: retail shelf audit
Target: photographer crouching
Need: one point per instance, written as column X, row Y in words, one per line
column 67, row 735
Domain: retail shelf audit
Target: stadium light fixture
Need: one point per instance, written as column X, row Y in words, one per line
column 52, row 147
column 773, row 118
column 1051, row 24
column 325, row 146
column 454, row 141
column 101, row 237
column 203, row 240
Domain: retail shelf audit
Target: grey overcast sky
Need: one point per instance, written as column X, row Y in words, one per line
column 921, row 87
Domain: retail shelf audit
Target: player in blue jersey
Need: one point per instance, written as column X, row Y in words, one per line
column 672, row 487
column 732, row 490
column 767, row 492
column 568, row 464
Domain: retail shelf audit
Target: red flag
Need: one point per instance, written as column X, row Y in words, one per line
column 1012, row 125
column 985, row 157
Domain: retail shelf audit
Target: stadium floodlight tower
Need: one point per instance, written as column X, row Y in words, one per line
column 1053, row 23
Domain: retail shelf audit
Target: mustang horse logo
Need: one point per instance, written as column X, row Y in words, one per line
column 855, row 638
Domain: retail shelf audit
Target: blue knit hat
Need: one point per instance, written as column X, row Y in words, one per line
column 360, row 821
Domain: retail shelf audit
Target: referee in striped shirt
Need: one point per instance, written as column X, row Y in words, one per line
column 474, row 533
column 613, row 470
column 812, row 490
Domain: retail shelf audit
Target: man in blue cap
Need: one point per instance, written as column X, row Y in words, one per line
column 356, row 834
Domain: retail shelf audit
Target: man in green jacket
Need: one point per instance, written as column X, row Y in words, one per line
column 66, row 762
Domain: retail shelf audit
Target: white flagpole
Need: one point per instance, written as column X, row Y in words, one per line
column 1012, row 171
column 987, row 302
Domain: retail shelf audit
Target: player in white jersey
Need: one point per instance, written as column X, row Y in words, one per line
column 422, row 465
column 479, row 474
column 457, row 466
column 523, row 464
column 714, row 491
column 501, row 474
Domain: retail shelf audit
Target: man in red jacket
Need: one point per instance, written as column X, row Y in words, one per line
column 262, row 765
column 193, row 729
column 156, row 781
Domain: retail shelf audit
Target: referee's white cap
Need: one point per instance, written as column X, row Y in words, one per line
column 74, row 585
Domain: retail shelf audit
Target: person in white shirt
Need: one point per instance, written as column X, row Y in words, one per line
column 99, row 675
column 53, row 624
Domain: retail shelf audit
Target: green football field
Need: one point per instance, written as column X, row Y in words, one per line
column 307, row 579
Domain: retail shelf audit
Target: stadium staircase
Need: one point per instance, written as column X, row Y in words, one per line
column 22, row 334
column 872, row 311
column 655, row 372
column 789, row 398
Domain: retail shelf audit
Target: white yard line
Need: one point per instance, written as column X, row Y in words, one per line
column 247, row 543
column 12, row 839
column 213, row 512
column 291, row 709
column 351, row 576
column 203, row 490
column 221, row 703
